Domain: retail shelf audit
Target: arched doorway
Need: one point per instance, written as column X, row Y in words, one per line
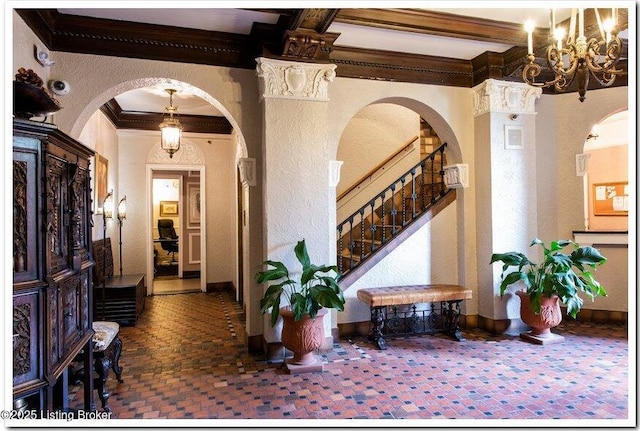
column 128, row 175
column 605, row 163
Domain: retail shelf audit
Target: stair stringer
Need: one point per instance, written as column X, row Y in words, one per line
column 353, row 275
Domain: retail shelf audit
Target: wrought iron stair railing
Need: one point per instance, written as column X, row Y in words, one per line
column 372, row 226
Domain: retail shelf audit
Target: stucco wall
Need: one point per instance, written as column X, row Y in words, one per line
column 23, row 41
column 100, row 135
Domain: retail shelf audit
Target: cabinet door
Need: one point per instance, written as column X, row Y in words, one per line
column 27, row 331
column 57, row 223
column 71, row 313
column 26, row 190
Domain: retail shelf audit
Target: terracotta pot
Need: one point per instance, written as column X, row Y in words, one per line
column 302, row 337
column 550, row 314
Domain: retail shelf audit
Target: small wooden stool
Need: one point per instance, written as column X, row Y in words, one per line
column 107, row 347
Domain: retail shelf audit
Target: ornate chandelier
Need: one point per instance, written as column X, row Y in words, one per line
column 576, row 57
column 170, row 129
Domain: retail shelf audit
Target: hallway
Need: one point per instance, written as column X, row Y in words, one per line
column 185, row 359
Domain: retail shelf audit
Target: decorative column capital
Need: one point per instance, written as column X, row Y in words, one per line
column 505, row 97
column 293, row 80
column 247, row 167
column 334, row 172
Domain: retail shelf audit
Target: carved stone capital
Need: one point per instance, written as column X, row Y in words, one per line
column 334, row 172
column 506, row 97
column 247, row 167
column 291, row 80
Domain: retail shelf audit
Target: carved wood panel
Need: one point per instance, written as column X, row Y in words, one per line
column 71, row 313
column 26, row 366
column 57, row 222
column 25, row 214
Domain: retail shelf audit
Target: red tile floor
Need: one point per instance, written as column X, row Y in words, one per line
column 185, row 359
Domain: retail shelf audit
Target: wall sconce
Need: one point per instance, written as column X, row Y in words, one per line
column 107, row 212
column 122, row 209
column 107, row 206
column 122, row 215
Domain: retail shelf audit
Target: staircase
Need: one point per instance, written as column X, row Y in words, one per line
column 418, row 193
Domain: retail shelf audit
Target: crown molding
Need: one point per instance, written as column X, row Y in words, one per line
column 151, row 120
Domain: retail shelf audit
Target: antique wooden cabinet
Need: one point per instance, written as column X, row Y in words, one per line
column 52, row 262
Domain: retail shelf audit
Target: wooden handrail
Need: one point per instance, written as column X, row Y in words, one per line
column 376, row 168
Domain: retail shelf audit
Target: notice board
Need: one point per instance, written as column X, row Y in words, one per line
column 611, row 199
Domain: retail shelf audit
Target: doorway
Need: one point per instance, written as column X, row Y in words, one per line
column 176, row 251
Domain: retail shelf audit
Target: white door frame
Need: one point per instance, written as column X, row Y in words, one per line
column 151, row 168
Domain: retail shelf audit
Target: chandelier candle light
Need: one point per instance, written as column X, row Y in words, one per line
column 170, row 128
column 577, row 57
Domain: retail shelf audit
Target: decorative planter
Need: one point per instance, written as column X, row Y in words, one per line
column 550, row 316
column 303, row 337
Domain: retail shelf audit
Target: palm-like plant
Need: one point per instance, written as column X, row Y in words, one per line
column 316, row 288
column 562, row 274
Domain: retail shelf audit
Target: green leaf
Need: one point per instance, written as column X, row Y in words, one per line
column 588, row 255
column 327, row 297
column 509, row 259
column 278, row 271
column 302, row 255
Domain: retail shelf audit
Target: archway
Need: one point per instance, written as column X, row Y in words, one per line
column 604, row 166
column 238, row 151
column 381, row 142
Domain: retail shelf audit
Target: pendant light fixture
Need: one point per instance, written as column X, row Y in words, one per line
column 170, row 129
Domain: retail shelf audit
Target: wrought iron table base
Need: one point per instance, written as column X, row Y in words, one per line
column 444, row 318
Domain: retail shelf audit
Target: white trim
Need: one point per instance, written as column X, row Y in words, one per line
column 190, row 255
column 601, row 238
column 150, row 169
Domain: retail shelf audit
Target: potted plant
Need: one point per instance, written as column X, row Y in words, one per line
column 560, row 277
column 306, row 301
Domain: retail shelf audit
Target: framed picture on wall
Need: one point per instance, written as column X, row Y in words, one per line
column 193, row 212
column 169, row 208
column 611, row 199
column 101, row 182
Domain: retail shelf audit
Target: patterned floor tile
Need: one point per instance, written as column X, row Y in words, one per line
column 185, row 359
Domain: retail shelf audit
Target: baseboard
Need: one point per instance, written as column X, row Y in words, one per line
column 223, row 286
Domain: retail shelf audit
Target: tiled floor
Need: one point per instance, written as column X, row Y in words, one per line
column 185, row 359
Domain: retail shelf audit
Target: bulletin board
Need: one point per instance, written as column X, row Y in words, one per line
column 611, row 199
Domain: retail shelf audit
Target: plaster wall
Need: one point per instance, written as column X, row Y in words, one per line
column 572, row 120
column 25, row 40
column 298, row 201
column 515, row 209
column 100, row 135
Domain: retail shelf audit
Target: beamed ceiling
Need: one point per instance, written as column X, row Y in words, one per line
column 303, row 35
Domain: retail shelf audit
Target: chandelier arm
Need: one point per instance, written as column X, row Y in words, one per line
column 554, row 60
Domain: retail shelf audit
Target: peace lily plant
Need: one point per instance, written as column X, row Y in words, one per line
column 563, row 274
column 316, row 288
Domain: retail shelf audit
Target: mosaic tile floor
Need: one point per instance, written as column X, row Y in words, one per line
column 185, row 359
